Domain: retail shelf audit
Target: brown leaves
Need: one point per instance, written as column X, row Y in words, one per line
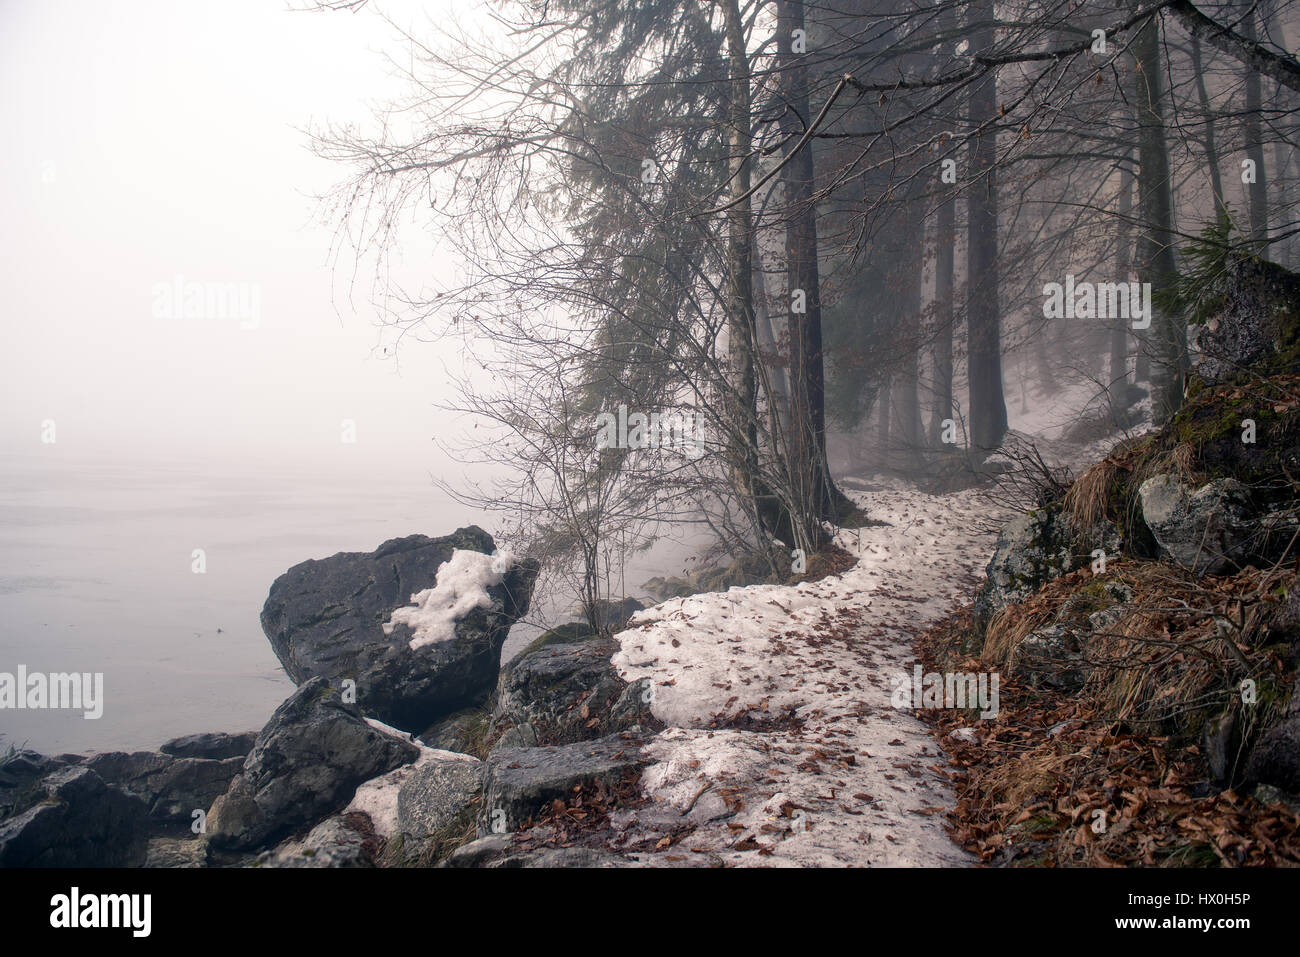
column 1096, row 792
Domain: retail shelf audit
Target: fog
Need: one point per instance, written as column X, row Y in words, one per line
column 155, row 140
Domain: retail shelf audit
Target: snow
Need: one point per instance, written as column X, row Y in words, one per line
column 854, row 783
column 460, row 587
column 377, row 798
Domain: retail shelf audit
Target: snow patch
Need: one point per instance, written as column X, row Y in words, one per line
column 377, row 798
column 461, row 586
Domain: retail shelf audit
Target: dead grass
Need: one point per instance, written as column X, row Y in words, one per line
column 1113, row 774
column 1085, row 502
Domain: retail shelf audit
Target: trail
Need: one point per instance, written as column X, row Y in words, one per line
column 782, row 746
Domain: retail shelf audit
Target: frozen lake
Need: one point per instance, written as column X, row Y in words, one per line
column 95, row 576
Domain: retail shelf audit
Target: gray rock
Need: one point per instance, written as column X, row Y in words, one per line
column 518, row 736
column 1051, row 656
column 172, row 788
column 76, row 819
column 1257, row 315
column 333, row 843
column 1207, row 530
column 1267, row 794
column 307, row 762
column 324, row 619
column 20, row 772
column 215, row 746
column 499, row 851
column 434, row 795
column 1032, row 549
column 166, row 852
column 1275, row 758
column 520, row 782
column 481, row 852
column 566, row 693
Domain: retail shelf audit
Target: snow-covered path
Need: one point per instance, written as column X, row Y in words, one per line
column 782, row 746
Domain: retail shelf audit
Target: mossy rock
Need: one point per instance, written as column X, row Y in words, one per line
column 567, row 634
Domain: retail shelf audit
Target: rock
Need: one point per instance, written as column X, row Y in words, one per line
column 325, row 619
column 1267, row 794
column 1207, row 530
column 1032, row 549
column 500, row 851
column 1275, row 759
column 463, row 732
column 518, row 783
column 20, row 773
column 553, row 857
column 172, row 788
column 569, row 633
column 433, row 797
column 519, row 736
column 1050, row 656
column 176, row 852
column 76, row 819
column 1259, row 309
column 307, row 762
column 613, row 616
column 968, row 735
column 338, row 842
column 214, row 746
column 566, row 693
column 480, row 852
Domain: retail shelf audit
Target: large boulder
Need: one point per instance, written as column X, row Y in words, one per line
column 1257, row 317
column 327, row 618
column 1275, row 758
column 1207, row 530
column 307, row 763
column 172, row 788
column 1032, row 550
column 215, row 746
column 76, row 819
column 561, row 693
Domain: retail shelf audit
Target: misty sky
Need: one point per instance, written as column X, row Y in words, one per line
column 150, row 140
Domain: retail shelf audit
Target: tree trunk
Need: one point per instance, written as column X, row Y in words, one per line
column 1168, row 335
column 945, row 243
column 1256, row 192
column 988, row 407
column 810, row 473
column 1118, row 369
column 945, row 250
column 741, row 327
column 1211, row 148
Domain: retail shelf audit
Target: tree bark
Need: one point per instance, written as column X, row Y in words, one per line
column 988, row 407
column 810, row 472
column 1168, row 335
column 1256, row 192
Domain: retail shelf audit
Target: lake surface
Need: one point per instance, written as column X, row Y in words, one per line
column 96, row 576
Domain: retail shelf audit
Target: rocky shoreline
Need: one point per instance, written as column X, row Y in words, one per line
column 391, row 751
